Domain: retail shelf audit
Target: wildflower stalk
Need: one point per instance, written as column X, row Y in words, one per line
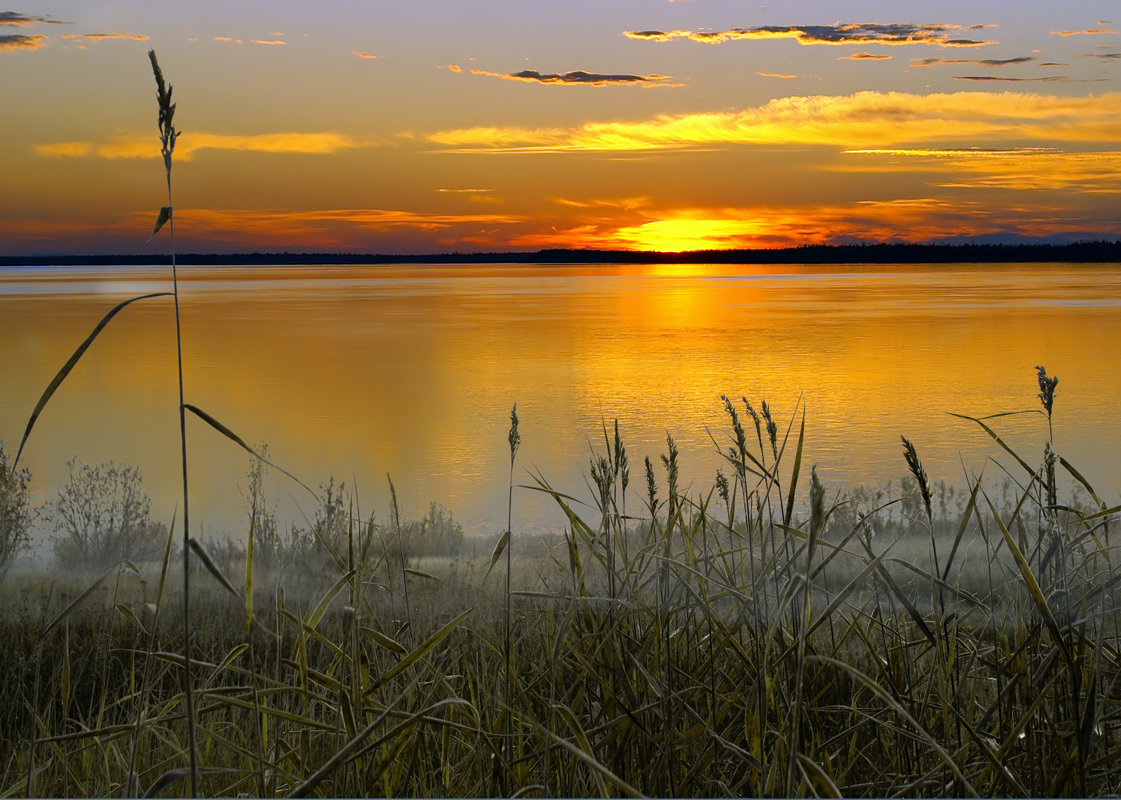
column 168, row 136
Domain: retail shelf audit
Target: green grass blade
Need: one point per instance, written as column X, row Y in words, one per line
column 52, row 387
column 993, row 435
column 421, row 650
column 208, row 562
column 1033, row 585
column 794, row 473
column 222, row 429
column 77, row 602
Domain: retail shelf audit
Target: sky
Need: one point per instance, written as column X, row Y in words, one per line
column 426, row 126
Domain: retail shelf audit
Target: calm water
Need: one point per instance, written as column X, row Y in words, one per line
column 357, row 372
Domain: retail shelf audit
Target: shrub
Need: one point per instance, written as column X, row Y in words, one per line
column 15, row 510
column 101, row 515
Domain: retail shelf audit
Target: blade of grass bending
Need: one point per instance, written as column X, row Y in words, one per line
column 1078, row 477
column 497, row 554
column 1033, row 586
column 584, row 753
column 794, row 473
column 420, row 651
column 919, row 731
column 66, row 611
column 208, row 562
column 912, row 612
column 816, row 775
column 970, row 507
column 222, row 429
column 996, row 438
column 52, row 387
column 321, row 607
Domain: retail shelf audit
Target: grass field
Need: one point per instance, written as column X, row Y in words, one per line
column 763, row 637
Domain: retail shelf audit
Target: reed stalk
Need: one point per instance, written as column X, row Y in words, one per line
column 168, row 137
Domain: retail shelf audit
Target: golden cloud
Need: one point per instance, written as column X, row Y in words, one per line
column 862, row 56
column 864, row 119
column 142, row 146
column 65, row 149
column 1020, row 169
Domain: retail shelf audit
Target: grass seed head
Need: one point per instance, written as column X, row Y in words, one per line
column 651, row 485
column 1046, row 389
column 917, row 470
column 515, row 437
column 817, row 504
column 168, row 134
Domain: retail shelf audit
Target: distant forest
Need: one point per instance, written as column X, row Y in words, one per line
column 1100, row 251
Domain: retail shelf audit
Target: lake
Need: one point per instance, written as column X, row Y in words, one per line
column 411, row 371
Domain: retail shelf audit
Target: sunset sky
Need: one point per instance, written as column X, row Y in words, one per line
column 423, row 126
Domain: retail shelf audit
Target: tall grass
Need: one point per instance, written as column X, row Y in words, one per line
column 718, row 665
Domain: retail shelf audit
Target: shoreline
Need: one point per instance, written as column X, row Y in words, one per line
column 1078, row 252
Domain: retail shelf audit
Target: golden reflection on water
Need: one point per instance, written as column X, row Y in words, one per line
column 363, row 371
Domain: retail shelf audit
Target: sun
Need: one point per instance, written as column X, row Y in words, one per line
column 686, row 232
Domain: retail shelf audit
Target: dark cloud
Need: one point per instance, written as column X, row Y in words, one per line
column 984, row 62
column 19, row 41
column 863, row 33
column 22, row 20
column 1046, row 79
column 578, row 78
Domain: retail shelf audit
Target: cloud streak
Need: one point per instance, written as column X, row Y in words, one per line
column 983, row 62
column 323, row 143
column 1086, row 32
column 862, row 56
column 1018, row 168
column 579, row 78
column 82, row 39
column 863, row 33
column 863, row 119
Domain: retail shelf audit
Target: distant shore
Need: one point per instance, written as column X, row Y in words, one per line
column 1082, row 252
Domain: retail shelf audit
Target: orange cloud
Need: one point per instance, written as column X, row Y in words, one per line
column 141, row 146
column 783, row 75
column 367, row 56
column 65, row 149
column 1086, row 32
column 270, row 42
column 864, row 119
column 18, row 41
column 94, row 38
column 862, row 56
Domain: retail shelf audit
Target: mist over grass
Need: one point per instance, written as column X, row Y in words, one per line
column 763, row 634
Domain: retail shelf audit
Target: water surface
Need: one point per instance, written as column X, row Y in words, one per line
column 411, row 371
